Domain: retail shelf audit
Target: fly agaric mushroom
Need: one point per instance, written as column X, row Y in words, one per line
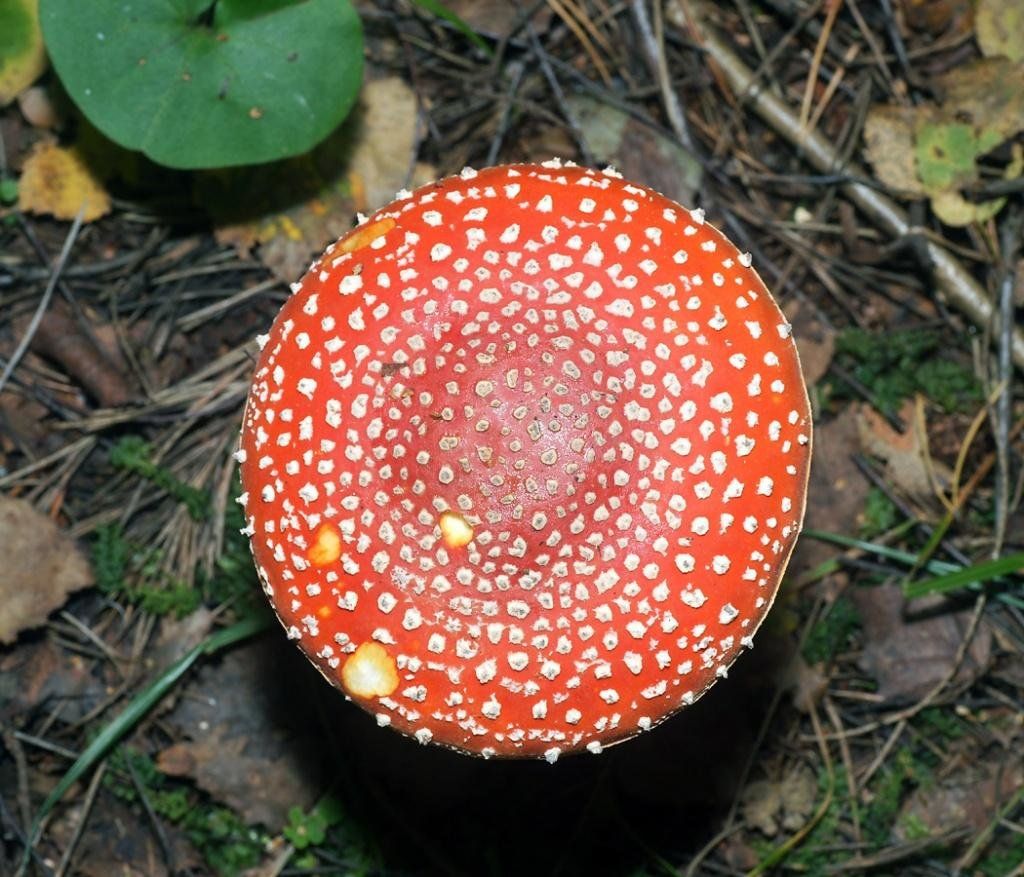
column 524, row 459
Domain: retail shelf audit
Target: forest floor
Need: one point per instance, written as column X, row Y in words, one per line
column 874, row 171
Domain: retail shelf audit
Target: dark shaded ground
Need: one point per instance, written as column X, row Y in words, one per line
column 864, row 734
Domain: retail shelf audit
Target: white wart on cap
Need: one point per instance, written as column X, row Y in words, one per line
column 524, row 459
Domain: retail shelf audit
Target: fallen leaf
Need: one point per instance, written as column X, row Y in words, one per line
column 999, row 27
column 22, row 54
column 799, row 790
column 242, row 744
column 909, row 650
column 42, row 566
column 760, row 805
column 908, row 463
column 55, row 181
column 41, row 672
column 649, row 157
column 786, row 802
column 889, row 148
column 937, row 16
column 933, row 149
column 496, row 17
column 966, row 799
column 312, row 200
column 836, row 492
column 815, row 340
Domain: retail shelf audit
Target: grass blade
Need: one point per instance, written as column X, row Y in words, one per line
column 439, row 10
column 141, row 704
column 979, row 573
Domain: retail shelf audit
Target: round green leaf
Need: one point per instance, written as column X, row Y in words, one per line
column 208, row 83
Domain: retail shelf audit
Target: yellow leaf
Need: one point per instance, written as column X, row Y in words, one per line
column 22, row 56
column 999, row 27
column 57, row 182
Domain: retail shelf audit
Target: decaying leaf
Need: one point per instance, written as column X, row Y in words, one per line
column 22, row 54
column 999, row 27
column 967, row 798
column 932, row 150
column 909, row 650
column 836, row 492
column 786, row 802
column 889, row 147
column 313, row 199
column 42, row 566
column 617, row 139
column 908, row 464
column 242, row 743
column 55, row 181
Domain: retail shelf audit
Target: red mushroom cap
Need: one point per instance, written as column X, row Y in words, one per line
column 524, row 460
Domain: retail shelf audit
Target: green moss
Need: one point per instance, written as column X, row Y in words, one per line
column 220, row 835
column 896, row 365
column 880, row 514
column 128, row 572
column 832, row 633
column 134, row 454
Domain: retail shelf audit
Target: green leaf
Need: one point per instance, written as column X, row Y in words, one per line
column 22, row 57
column 201, row 84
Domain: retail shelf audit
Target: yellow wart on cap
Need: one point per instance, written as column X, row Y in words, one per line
column 326, row 548
column 370, row 671
column 455, row 529
column 366, row 235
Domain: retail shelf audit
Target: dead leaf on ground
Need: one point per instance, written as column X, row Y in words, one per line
column 908, row 463
column 312, row 200
column 639, row 153
column 910, row 648
column 42, row 567
column 42, row 673
column 496, row 17
column 936, row 17
column 241, row 744
column 815, row 340
column 932, row 150
column 999, row 27
column 55, row 181
column 968, row 798
column 787, row 802
column 837, row 490
column 23, row 58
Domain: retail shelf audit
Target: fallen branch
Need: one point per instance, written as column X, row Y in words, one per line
column 958, row 286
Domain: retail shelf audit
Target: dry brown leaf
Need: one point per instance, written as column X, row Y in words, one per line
column 312, row 200
column 815, row 341
column 617, row 139
column 889, row 147
column 56, row 182
column 42, row 566
column 241, row 743
column 999, row 27
column 837, row 490
column 968, row 798
column 495, row 17
column 909, row 650
column 908, row 464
